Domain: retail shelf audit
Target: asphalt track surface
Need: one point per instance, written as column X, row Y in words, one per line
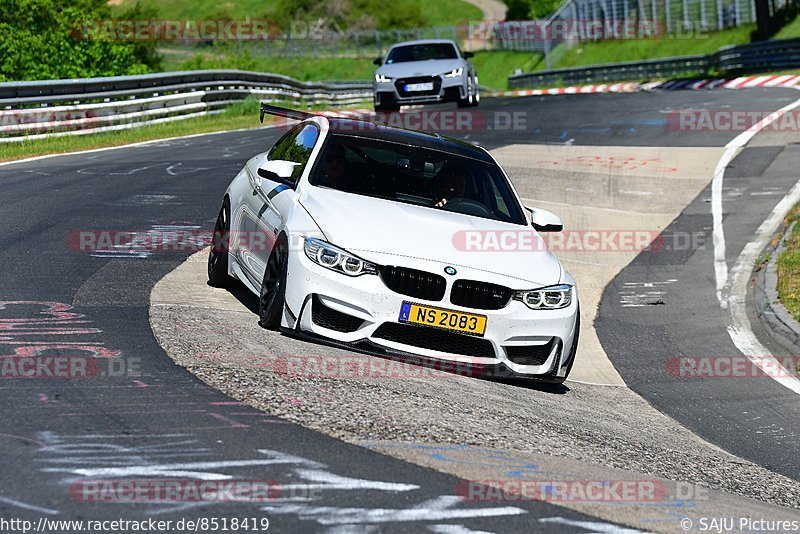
column 753, row 417
column 165, row 423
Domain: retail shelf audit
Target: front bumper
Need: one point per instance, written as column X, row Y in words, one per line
column 363, row 312
column 445, row 90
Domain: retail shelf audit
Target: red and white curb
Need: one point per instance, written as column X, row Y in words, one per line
column 744, row 82
column 574, row 90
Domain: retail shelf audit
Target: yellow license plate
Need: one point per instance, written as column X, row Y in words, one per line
column 466, row 323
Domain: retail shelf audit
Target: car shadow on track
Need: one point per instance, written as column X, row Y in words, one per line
column 240, row 292
column 498, row 374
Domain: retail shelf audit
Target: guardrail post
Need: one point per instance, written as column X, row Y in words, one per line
column 685, row 14
column 546, row 38
column 703, row 21
column 668, row 12
column 654, row 14
column 624, row 19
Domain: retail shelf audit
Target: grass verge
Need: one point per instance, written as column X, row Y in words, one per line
column 493, row 67
column 642, row 49
column 238, row 116
column 789, row 267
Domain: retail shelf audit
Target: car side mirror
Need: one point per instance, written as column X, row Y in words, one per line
column 468, row 55
column 277, row 170
column 377, row 61
column 545, row 221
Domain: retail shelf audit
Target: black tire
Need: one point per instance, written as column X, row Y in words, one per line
column 273, row 288
column 469, row 100
column 218, row 256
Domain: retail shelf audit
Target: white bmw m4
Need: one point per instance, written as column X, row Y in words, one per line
column 378, row 238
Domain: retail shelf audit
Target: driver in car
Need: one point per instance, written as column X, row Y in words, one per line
column 335, row 164
column 452, row 185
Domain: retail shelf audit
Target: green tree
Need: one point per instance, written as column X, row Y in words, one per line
column 54, row 39
column 531, row 9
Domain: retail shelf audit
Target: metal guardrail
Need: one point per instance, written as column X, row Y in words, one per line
column 779, row 54
column 31, row 110
column 613, row 72
column 750, row 58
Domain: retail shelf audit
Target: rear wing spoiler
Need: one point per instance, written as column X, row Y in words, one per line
column 269, row 109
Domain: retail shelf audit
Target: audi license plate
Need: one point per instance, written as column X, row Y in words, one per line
column 412, row 87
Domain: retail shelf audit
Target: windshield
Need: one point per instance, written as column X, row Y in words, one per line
column 419, row 176
column 421, row 52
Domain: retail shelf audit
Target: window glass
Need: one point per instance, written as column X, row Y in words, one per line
column 422, row 52
column 415, row 175
column 296, row 146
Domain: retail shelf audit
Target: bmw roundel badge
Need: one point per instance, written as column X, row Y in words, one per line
column 450, row 270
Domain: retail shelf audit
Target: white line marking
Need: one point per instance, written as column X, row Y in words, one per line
column 27, row 506
column 639, row 193
column 740, row 329
column 731, row 149
column 437, row 509
column 593, row 526
column 137, row 144
column 596, row 383
column 731, row 294
column 198, row 470
column 455, row 529
column 325, row 480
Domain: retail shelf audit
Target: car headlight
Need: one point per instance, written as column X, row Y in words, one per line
column 380, row 78
column 546, row 298
column 336, row 259
column 455, row 73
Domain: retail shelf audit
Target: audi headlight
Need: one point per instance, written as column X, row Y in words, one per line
column 336, row 259
column 380, row 78
column 546, row 298
column 455, row 73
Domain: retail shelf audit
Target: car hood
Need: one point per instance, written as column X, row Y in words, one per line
column 419, row 68
column 383, row 231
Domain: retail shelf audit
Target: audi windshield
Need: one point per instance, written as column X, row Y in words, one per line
column 421, row 52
